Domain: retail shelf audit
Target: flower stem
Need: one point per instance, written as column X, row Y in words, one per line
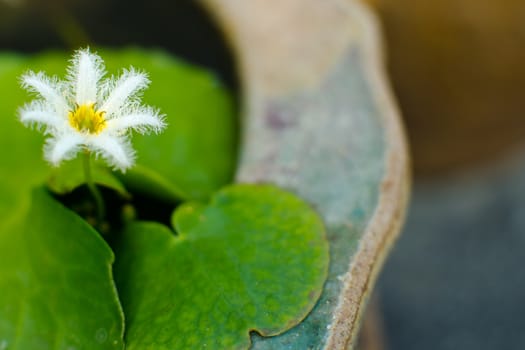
column 95, row 192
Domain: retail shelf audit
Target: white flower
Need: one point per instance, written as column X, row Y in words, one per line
column 86, row 113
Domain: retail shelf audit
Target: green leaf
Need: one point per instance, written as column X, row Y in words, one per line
column 21, row 158
column 255, row 258
column 56, row 284
column 196, row 154
column 70, row 175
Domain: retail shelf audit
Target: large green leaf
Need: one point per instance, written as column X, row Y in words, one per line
column 56, row 284
column 255, row 258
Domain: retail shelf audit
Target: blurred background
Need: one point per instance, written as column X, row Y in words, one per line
column 455, row 279
column 179, row 26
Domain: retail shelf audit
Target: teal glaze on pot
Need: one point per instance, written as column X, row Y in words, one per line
column 329, row 150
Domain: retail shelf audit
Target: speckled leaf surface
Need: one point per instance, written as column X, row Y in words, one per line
column 56, row 284
column 254, row 258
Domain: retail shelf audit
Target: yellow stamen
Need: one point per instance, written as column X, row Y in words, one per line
column 86, row 118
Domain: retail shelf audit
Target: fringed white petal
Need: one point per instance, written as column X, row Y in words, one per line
column 142, row 120
column 38, row 114
column 48, row 88
column 119, row 99
column 123, row 91
column 63, row 147
column 117, row 151
column 85, row 75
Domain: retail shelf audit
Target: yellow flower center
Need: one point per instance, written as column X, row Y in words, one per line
column 86, row 118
